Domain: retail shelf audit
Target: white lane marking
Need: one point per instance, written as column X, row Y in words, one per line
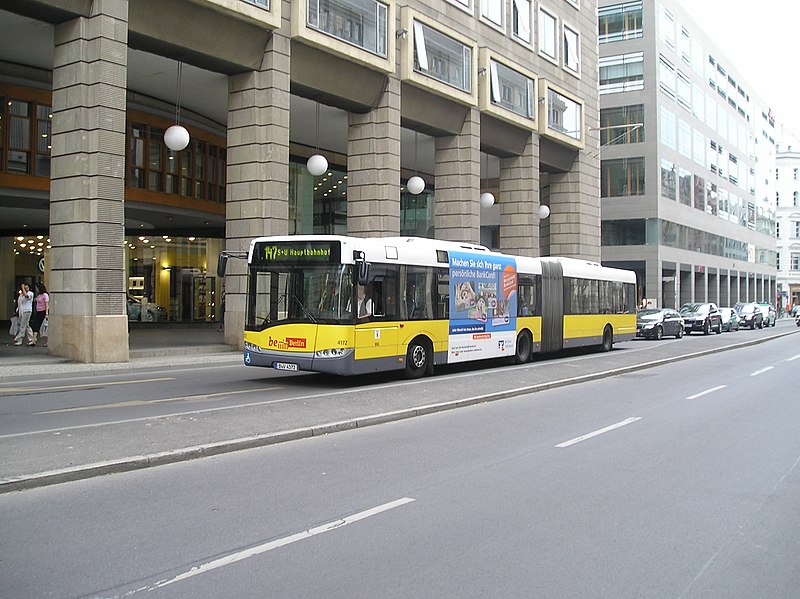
column 793, row 358
column 599, row 432
column 82, row 386
column 762, row 371
column 258, row 549
column 146, row 402
column 706, row 392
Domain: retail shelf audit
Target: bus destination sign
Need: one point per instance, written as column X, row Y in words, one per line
column 296, row 252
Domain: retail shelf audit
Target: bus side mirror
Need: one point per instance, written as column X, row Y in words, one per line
column 362, row 267
column 222, row 262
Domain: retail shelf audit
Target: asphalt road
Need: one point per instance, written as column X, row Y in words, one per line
column 676, row 481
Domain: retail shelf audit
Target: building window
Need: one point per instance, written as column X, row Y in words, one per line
column 685, row 187
column 623, row 232
column 620, row 22
column 572, row 50
column 361, row 23
column 700, row 193
column 521, row 20
column 795, row 261
column 492, row 11
column 795, row 229
column 668, row 180
column 195, row 172
column 547, row 34
column 667, row 27
column 622, row 177
column 564, row 115
column 666, row 77
column 511, row 89
column 669, row 124
column 796, row 199
column 622, row 73
column 264, row 3
column 622, row 125
column 441, row 57
column 26, row 139
column 684, row 91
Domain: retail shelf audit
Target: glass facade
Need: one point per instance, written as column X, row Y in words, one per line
column 361, row 23
column 622, row 177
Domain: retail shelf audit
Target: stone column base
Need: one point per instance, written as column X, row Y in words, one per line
column 89, row 339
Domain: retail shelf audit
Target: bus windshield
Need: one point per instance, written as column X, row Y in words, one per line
column 303, row 294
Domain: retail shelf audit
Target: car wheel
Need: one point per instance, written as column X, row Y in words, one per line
column 524, row 346
column 707, row 328
column 719, row 328
column 680, row 333
column 416, row 359
column 658, row 333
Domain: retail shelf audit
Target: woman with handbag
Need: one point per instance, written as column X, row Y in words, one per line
column 24, row 307
column 41, row 311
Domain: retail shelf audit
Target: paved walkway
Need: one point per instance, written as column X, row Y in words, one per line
column 149, row 345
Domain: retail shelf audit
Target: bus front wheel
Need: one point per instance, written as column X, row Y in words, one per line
column 524, row 345
column 417, row 359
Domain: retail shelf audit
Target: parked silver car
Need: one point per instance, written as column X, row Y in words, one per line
column 750, row 315
column 730, row 319
column 769, row 313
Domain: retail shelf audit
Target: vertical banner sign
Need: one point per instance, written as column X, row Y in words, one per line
column 483, row 306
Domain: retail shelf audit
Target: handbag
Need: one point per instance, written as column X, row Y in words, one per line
column 14, row 328
column 43, row 328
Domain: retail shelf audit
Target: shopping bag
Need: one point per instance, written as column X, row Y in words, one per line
column 14, row 328
column 43, row 328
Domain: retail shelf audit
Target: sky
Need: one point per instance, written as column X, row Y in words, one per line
column 761, row 40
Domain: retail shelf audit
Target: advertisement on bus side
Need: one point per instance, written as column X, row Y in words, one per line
column 483, row 306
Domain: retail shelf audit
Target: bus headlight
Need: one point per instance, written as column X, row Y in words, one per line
column 252, row 347
column 334, row 352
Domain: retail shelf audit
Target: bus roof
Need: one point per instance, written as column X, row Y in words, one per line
column 422, row 251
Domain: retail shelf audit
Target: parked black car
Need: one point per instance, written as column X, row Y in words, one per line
column 701, row 317
column 750, row 315
column 653, row 323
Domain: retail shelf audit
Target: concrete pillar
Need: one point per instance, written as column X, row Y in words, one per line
column 88, row 312
column 373, row 167
column 575, row 210
column 457, row 214
column 258, row 168
column 519, row 201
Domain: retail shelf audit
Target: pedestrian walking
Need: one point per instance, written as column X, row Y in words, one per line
column 41, row 312
column 24, row 308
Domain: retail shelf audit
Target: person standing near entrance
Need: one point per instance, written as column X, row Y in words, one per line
column 24, row 307
column 41, row 310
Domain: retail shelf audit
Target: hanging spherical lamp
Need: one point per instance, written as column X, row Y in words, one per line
column 416, row 185
column 544, row 211
column 176, row 138
column 487, row 200
column 317, row 164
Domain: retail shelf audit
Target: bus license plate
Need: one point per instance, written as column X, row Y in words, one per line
column 284, row 366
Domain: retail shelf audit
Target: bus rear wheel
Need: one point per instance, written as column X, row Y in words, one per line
column 417, row 359
column 608, row 339
column 524, row 345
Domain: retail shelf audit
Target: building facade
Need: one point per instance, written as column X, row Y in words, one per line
column 687, row 152
column 787, row 201
column 497, row 96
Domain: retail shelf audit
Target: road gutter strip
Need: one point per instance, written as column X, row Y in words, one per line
column 128, row 464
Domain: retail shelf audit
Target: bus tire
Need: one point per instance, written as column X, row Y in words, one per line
column 524, row 346
column 417, row 359
column 608, row 339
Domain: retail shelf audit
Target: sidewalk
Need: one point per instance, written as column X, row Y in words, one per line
column 149, row 346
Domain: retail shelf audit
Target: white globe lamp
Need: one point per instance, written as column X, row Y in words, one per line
column 544, row 211
column 487, row 200
column 317, row 164
column 176, row 138
column 416, row 185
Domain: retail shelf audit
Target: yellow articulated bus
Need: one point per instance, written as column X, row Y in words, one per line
column 347, row 305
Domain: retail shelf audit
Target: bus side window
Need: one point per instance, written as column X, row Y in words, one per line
column 442, row 293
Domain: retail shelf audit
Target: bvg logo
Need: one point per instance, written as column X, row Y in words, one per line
column 288, row 343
